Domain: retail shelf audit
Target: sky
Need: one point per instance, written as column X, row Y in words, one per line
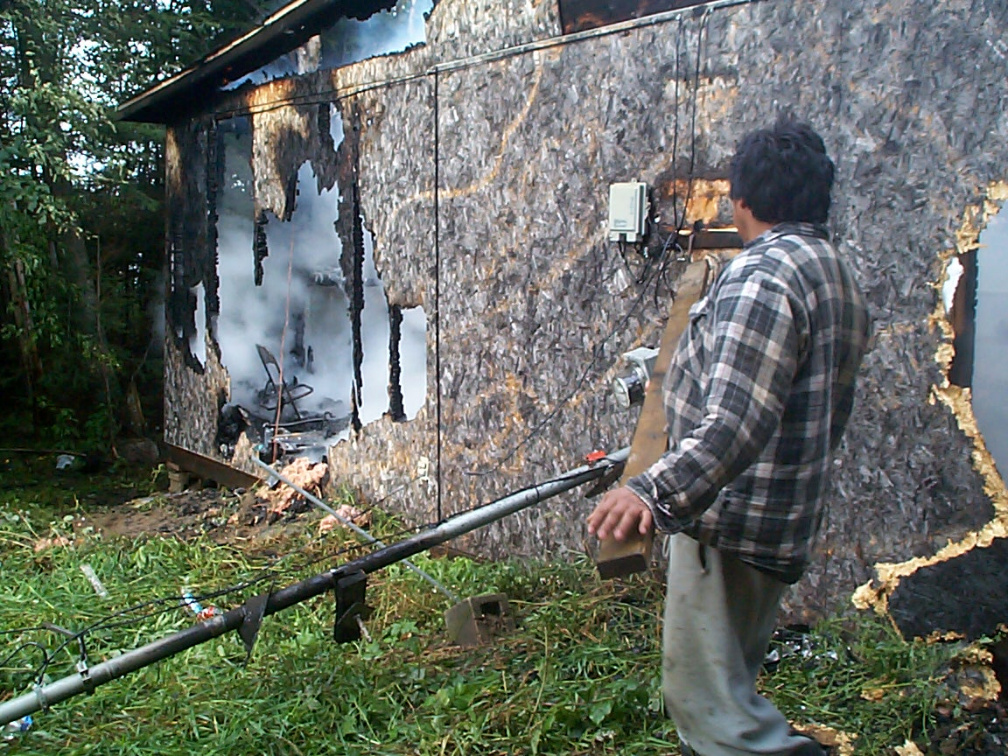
column 990, row 366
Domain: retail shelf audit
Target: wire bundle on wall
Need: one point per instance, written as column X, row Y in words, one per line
column 656, row 268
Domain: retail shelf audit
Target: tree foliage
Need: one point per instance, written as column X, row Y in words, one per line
column 81, row 238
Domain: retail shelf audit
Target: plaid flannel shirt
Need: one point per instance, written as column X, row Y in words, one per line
column 756, row 397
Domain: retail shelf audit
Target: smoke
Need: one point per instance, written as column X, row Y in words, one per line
column 375, row 332
column 375, row 336
column 350, row 40
column 413, row 360
column 305, row 325
column 156, row 315
column 301, row 312
column 197, row 342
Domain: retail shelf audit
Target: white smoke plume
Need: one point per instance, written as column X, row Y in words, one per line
column 301, row 312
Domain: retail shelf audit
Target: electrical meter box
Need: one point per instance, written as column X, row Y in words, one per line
column 628, row 211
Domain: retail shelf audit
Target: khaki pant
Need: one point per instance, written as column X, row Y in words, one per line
column 719, row 616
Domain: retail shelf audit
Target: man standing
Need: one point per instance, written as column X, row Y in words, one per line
column 756, row 397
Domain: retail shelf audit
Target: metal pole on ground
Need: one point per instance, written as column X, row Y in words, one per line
column 352, row 525
column 88, row 678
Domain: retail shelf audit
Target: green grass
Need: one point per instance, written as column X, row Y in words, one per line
column 859, row 676
column 579, row 676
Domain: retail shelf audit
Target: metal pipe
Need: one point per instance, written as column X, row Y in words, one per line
column 87, row 679
column 352, row 525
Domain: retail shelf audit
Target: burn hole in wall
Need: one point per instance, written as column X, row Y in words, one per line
column 975, row 298
column 289, row 315
column 580, row 15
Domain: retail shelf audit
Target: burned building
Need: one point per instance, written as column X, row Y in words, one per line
column 414, row 230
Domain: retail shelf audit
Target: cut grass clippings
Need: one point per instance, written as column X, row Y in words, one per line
column 580, row 675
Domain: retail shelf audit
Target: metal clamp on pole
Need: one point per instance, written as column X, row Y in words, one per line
column 352, row 526
column 40, row 696
column 86, row 681
column 248, row 631
column 464, row 522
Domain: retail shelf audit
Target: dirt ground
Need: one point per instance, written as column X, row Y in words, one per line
column 224, row 516
column 239, row 517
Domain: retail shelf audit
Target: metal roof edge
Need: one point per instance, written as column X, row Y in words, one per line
column 279, row 33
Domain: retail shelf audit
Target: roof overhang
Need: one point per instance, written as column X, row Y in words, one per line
column 283, row 31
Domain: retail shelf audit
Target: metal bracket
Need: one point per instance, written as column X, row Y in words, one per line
column 479, row 620
column 350, row 606
column 248, row 631
column 86, row 680
column 605, row 481
column 82, row 666
column 40, row 696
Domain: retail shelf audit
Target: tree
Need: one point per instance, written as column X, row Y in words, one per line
column 79, row 195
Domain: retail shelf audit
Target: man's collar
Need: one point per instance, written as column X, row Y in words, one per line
column 790, row 228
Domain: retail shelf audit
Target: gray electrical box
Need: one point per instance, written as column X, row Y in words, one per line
column 628, row 211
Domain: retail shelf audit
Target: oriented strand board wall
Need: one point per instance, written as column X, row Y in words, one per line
column 515, row 153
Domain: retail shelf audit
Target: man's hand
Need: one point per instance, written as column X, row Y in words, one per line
column 620, row 512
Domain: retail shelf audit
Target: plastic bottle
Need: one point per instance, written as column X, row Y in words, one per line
column 17, row 727
column 201, row 612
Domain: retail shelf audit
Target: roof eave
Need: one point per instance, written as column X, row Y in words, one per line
column 175, row 97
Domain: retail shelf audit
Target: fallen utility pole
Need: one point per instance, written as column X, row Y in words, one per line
column 247, row 617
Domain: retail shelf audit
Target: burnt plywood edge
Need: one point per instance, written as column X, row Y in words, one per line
column 192, row 390
column 209, row 468
column 390, row 462
column 876, row 593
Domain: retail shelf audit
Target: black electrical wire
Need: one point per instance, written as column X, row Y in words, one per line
column 664, row 263
column 675, row 127
column 649, row 273
column 681, row 223
column 596, row 353
column 679, row 219
column 174, row 603
column 22, row 647
column 637, row 277
column 314, row 98
column 437, row 289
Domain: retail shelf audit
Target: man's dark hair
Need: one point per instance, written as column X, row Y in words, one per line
column 783, row 174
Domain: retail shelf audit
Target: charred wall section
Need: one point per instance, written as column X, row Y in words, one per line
column 484, row 183
column 193, row 388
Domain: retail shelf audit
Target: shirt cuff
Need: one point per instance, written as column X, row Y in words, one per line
column 645, row 487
